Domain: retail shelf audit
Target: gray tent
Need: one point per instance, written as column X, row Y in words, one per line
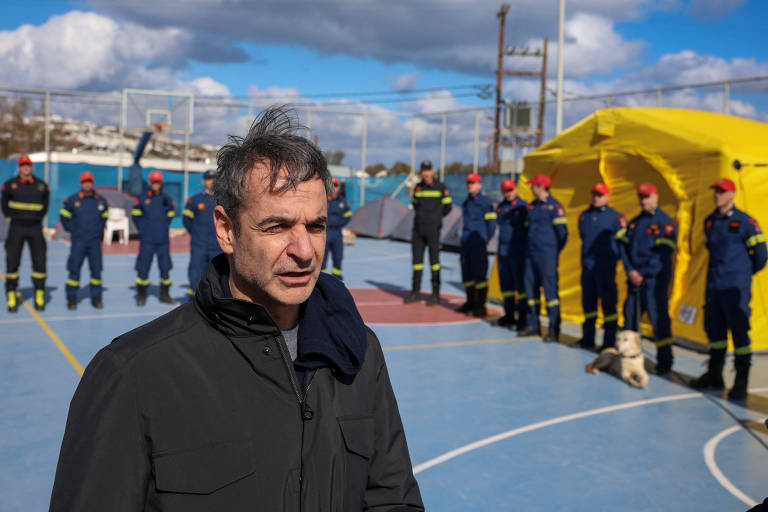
column 378, row 218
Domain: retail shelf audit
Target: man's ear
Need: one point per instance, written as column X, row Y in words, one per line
column 225, row 230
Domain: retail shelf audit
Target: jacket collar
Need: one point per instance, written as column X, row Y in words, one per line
column 331, row 331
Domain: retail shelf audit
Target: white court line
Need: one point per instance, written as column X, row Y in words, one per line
column 535, row 426
column 709, row 458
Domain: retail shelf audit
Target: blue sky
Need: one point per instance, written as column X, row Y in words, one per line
column 340, row 51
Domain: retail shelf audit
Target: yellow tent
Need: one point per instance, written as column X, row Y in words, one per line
column 682, row 152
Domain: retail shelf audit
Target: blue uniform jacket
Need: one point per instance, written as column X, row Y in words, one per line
column 648, row 245
column 152, row 215
column 198, row 221
column 600, row 230
column 512, row 233
column 84, row 216
column 547, row 229
column 478, row 221
column 736, row 249
column 339, row 212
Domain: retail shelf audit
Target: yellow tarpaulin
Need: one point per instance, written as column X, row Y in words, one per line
column 682, row 152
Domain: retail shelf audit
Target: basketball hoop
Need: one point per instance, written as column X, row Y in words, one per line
column 161, row 128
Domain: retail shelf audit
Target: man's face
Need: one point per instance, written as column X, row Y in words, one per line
column 428, row 175
column 539, row 191
column 724, row 198
column 25, row 170
column 648, row 202
column 155, row 186
column 336, row 190
column 86, row 186
column 510, row 195
column 474, row 188
column 599, row 200
column 278, row 253
column 208, row 185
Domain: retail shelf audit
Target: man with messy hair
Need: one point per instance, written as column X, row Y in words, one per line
column 267, row 391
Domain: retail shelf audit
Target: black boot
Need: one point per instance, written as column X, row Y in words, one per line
column 739, row 389
column 481, row 295
column 165, row 295
column 97, row 304
column 415, row 294
column 434, row 299
column 522, row 320
column 529, row 331
column 712, row 378
column 141, row 295
column 40, row 300
column 71, row 304
column 470, row 304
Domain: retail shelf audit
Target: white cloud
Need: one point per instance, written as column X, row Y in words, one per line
column 80, row 50
column 405, row 82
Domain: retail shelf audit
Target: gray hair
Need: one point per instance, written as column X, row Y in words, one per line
column 271, row 140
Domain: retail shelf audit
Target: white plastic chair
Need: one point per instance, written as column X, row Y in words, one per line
column 117, row 222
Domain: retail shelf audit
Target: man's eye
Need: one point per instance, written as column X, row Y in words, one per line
column 316, row 228
column 275, row 228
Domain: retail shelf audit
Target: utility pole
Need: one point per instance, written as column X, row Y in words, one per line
column 502, row 16
column 560, row 51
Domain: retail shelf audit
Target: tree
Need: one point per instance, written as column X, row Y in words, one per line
column 335, row 157
column 373, row 170
column 23, row 130
column 399, row 168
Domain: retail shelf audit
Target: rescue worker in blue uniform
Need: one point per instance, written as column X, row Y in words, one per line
column 84, row 215
column 547, row 234
column 600, row 228
column 198, row 221
column 647, row 251
column 339, row 214
column 24, row 204
column 478, row 224
column 737, row 251
column 152, row 215
column 511, row 255
column 431, row 202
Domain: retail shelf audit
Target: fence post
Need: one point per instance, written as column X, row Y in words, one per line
column 477, row 141
column 309, row 123
column 658, row 97
column 726, row 94
column 121, row 144
column 413, row 144
column 48, row 144
column 442, row 151
column 363, row 157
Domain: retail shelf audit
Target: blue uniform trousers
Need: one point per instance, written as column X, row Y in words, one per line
column 599, row 284
column 653, row 297
column 199, row 259
column 334, row 244
column 541, row 272
column 78, row 252
column 146, row 251
column 511, row 270
column 728, row 309
column 474, row 266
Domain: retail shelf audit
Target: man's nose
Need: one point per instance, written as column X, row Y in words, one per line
column 300, row 247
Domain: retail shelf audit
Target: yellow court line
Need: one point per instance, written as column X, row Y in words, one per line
column 460, row 343
column 56, row 340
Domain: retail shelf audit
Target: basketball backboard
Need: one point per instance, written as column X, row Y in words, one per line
column 143, row 109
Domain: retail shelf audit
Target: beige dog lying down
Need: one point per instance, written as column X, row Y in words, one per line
column 625, row 360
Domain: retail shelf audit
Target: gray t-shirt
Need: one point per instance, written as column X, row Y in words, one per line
column 292, row 340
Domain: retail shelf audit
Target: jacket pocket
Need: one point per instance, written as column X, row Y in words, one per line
column 358, row 434
column 205, row 469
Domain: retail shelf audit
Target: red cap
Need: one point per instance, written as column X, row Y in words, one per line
column 24, row 159
column 507, row 184
column 335, row 181
column 646, row 189
column 474, row 178
column 541, row 179
column 601, row 188
column 724, row 184
column 86, row 176
column 155, row 177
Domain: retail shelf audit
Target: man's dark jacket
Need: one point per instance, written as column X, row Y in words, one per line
column 201, row 409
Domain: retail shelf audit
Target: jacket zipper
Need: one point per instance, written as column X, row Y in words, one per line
column 304, row 410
